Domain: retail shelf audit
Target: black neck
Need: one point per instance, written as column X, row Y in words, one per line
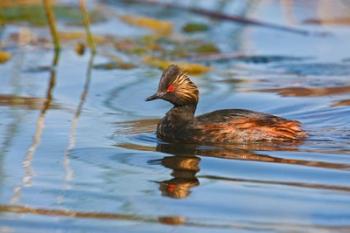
column 183, row 112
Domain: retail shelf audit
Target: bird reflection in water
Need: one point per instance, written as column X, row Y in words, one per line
column 185, row 165
column 184, row 160
column 184, row 168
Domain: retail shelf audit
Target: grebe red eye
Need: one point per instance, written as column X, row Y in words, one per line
column 171, row 88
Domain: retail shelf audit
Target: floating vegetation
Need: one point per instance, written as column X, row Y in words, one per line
column 195, row 27
column 206, row 48
column 79, row 35
column 191, row 48
column 4, row 56
column 114, row 65
column 139, row 46
column 80, row 48
column 156, row 25
column 35, row 14
column 190, row 68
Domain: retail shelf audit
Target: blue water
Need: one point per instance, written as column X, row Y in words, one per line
column 91, row 162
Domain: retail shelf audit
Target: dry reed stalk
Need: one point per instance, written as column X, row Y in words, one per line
column 86, row 22
column 52, row 23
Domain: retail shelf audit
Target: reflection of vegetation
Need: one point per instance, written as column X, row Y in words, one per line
column 72, row 214
column 331, row 21
column 308, row 91
column 340, row 103
column 40, row 124
column 232, row 225
column 168, row 220
column 69, row 172
column 25, row 102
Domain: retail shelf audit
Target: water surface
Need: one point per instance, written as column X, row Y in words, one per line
column 79, row 154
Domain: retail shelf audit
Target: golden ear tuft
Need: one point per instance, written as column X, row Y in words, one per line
column 186, row 90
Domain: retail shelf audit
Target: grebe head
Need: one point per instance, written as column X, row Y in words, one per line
column 176, row 87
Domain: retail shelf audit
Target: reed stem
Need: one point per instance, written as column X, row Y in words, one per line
column 86, row 22
column 52, row 24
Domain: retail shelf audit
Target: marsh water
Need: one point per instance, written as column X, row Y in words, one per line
column 78, row 152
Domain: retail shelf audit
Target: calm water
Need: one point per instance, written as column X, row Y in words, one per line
column 89, row 160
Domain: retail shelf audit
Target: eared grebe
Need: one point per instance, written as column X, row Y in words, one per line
column 228, row 126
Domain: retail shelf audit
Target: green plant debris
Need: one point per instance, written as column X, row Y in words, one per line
column 195, row 27
column 165, row 47
column 4, row 56
column 130, row 46
column 193, row 48
column 139, row 46
column 35, row 14
column 206, row 48
column 114, row 65
column 191, row 68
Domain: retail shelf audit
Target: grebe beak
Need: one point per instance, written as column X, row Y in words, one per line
column 153, row 97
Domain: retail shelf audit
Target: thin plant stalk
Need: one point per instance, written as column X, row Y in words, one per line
column 40, row 124
column 86, row 22
column 52, row 23
column 69, row 172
